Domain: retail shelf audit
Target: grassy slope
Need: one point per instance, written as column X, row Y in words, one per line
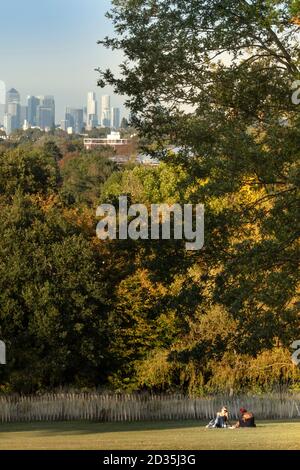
column 188, row 435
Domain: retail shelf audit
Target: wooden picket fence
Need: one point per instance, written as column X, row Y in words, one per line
column 128, row 408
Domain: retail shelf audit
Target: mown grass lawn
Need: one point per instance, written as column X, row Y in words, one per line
column 189, row 435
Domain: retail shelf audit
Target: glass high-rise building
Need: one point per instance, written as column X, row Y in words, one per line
column 13, row 96
column 32, row 105
column 12, row 118
column 91, row 111
column 46, row 112
column 45, row 118
column 74, row 118
column 115, row 118
column 8, row 125
column 105, row 111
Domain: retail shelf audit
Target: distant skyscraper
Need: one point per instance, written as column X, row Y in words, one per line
column 2, row 112
column 12, row 118
column 8, row 125
column 115, row 118
column 2, row 100
column 32, row 104
column 105, row 111
column 46, row 112
column 85, row 115
column 74, row 118
column 13, row 96
column 2, row 93
column 92, row 111
column 45, row 118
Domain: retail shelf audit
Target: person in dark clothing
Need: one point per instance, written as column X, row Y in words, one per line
column 246, row 419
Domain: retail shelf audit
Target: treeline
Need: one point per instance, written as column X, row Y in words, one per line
column 215, row 79
column 80, row 313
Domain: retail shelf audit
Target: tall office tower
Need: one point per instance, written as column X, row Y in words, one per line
column 2, row 112
column 92, row 111
column 2, row 100
column 115, row 118
column 12, row 118
column 105, row 111
column 44, row 118
column 69, row 118
column 46, row 112
column 74, row 118
column 78, row 117
column 12, row 96
column 85, row 115
column 32, row 104
column 8, row 123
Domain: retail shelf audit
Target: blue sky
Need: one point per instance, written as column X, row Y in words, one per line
column 50, row 47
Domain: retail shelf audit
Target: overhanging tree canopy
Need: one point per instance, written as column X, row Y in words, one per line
column 216, row 77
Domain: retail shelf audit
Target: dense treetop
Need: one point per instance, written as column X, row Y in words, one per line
column 213, row 78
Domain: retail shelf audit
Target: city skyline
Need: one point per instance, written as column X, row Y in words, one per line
column 40, row 111
column 57, row 54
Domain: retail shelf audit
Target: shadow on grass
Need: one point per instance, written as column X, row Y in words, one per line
column 90, row 427
column 83, row 427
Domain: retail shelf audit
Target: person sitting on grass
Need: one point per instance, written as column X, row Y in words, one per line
column 221, row 420
column 246, row 419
